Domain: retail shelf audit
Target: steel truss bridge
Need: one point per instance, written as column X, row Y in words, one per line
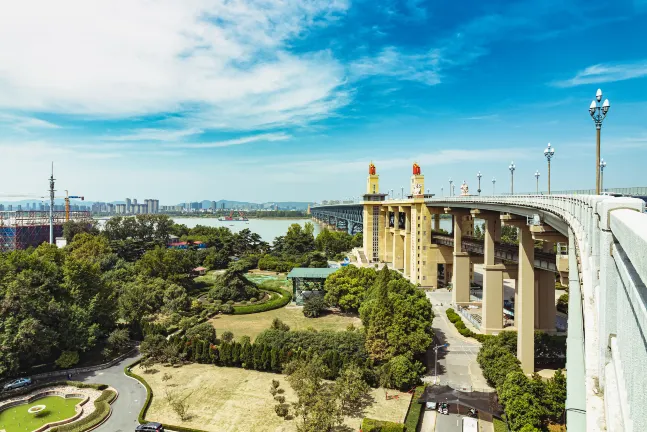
column 344, row 217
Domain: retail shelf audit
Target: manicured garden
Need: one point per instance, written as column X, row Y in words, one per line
column 18, row 419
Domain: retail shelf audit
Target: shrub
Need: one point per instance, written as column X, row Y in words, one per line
column 253, row 300
column 370, row 425
column 562, row 303
column 230, row 302
column 275, row 303
column 102, row 409
column 67, row 359
column 227, row 336
column 227, row 309
column 401, row 373
column 415, row 410
column 277, row 324
column 281, row 410
column 204, row 331
column 314, row 306
column 279, row 398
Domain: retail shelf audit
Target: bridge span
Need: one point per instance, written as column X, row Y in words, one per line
column 602, row 257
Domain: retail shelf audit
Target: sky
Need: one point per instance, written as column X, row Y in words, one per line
column 291, row 100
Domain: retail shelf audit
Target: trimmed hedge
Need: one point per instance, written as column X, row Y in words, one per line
column 276, row 303
column 371, row 425
column 415, row 410
column 31, row 388
column 462, row 329
column 101, row 411
column 149, row 398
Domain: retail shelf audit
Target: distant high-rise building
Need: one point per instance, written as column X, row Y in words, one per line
column 134, row 201
column 1, row 207
column 10, row 207
column 214, row 205
column 19, row 207
column 128, row 204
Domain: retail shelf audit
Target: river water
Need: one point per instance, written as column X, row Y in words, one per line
column 268, row 229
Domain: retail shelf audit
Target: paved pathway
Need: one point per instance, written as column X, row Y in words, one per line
column 132, row 396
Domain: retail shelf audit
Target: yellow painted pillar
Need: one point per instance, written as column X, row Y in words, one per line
column 388, row 237
column 436, row 222
column 546, row 309
column 407, row 241
column 426, row 260
column 461, row 266
column 492, row 320
column 525, row 306
column 382, row 232
column 398, row 251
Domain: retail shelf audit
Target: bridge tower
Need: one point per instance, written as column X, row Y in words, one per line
column 373, row 221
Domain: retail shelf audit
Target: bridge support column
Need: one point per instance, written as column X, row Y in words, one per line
column 545, row 310
column 437, row 222
column 525, row 302
column 388, row 237
column 492, row 321
column 398, row 250
column 461, row 265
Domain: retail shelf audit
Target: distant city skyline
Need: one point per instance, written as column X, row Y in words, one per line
column 291, row 101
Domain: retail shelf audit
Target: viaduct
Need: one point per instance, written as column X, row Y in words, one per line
column 596, row 245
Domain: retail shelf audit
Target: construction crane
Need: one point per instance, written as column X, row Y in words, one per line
column 67, row 204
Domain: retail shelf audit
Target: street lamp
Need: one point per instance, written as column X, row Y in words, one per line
column 537, row 178
column 603, row 164
column 442, row 191
column 549, row 152
column 598, row 113
column 436, row 361
column 392, row 197
column 479, row 175
column 512, row 168
column 451, row 190
column 493, row 186
column 402, row 192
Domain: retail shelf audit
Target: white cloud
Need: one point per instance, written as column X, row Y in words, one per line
column 609, row 72
column 232, row 142
column 152, row 134
column 122, row 58
column 25, row 123
column 394, row 63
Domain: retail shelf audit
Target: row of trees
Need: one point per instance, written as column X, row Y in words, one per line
column 529, row 403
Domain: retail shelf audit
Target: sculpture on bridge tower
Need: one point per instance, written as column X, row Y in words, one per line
column 464, row 189
column 372, row 186
column 417, row 182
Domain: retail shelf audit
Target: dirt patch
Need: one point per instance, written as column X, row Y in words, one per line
column 233, row 399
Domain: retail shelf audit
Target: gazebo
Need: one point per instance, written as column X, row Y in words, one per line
column 308, row 281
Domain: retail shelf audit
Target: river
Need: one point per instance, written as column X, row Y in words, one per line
column 268, row 229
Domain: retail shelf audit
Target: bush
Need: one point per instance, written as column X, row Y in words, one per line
column 67, row 359
column 282, row 410
column 401, row 373
column 227, row 309
column 102, row 409
column 415, row 410
column 370, row 425
column 253, row 300
column 227, row 336
column 314, row 306
column 278, row 302
column 562, row 303
column 204, row 331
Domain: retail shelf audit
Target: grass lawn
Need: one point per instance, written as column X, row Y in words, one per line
column 234, row 399
column 17, row 419
column 252, row 324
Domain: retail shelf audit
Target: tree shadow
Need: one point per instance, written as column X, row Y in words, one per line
column 433, row 360
column 358, row 410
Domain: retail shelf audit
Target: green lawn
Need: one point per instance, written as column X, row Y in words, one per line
column 251, row 325
column 17, row 419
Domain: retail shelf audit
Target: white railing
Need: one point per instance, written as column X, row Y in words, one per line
column 609, row 264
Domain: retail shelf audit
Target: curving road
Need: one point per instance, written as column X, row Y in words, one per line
column 132, row 395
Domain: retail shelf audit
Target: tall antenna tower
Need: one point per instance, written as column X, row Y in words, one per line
column 51, row 206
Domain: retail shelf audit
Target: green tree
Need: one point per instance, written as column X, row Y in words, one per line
column 400, row 373
column 233, row 285
column 347, row 287
column 351, row 389
column 72, row 228
column 314, row 306
column 227, row 336
column 204, row 331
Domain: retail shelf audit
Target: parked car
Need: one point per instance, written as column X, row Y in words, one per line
column 150, row 427
column 431, row 406
column 20, row 382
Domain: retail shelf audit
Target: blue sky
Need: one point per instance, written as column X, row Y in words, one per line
column 290, row 100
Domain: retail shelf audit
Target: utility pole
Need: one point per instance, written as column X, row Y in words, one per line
column 51, row 206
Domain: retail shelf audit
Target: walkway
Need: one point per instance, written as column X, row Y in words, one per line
column 132, row 395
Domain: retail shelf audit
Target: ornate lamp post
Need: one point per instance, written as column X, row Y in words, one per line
column 512, row 168
column 402, row 192
column 549, row 152
column 451, row 190
column 537, row 182
column 493, row 186
column 598, row 113
column 603, row 164
column 479, row 175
